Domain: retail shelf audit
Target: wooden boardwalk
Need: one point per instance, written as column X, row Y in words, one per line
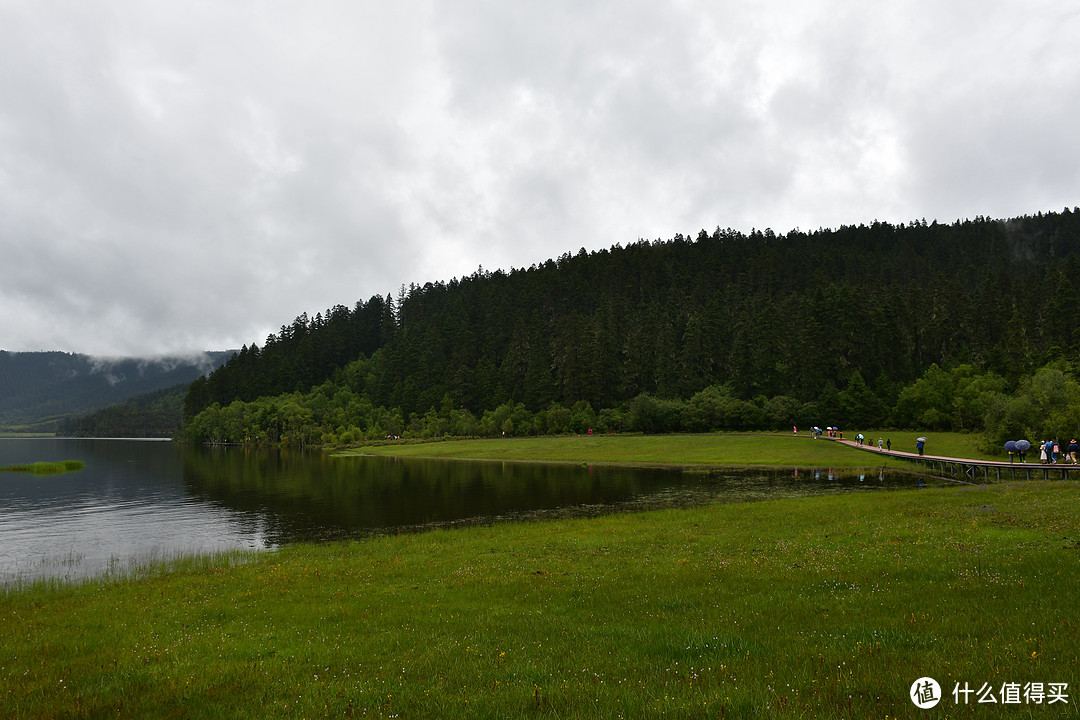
column 973, row 470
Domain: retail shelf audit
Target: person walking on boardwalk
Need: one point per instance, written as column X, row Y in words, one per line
column 1074, row 447
column 888, row 444
column 919, row 445
column 1042, row 451
column 879, row 444
column 1047, row 454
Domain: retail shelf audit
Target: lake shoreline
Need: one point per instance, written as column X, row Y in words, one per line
column 210, row 499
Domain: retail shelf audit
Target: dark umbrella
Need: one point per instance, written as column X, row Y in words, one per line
column 1023, row 445
column 1011, row 446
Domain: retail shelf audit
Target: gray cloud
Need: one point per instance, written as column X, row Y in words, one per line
column 191, row 176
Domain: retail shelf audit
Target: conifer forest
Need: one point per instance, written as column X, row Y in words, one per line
column 971, row 326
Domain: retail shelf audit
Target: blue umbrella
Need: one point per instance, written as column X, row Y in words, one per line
column 1023, row 445
column 1010, row 446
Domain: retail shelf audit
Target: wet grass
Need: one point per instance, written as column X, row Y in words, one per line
column 60, row 573
column 827, row 606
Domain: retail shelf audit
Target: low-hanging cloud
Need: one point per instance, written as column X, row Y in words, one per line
column 175, row 178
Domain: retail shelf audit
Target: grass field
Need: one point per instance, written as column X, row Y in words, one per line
column 739, row 449
column 818, row 607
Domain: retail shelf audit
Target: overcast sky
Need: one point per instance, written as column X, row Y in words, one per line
column 183, row 176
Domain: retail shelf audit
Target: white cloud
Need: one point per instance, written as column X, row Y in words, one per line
column 192, row 176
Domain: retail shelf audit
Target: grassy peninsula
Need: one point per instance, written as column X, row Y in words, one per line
column 826, row 606
column 737, row 449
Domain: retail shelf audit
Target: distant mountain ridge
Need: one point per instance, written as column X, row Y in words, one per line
column 37, row 389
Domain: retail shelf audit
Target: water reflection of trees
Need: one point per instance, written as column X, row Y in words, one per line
column 311, row 495
column 315, row 494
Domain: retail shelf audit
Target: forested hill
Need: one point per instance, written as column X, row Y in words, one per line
column 798, row 315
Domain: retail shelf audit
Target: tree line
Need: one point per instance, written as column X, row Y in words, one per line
column 801, row 325
column 1042, row 405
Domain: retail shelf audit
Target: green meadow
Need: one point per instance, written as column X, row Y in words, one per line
column 736, row 449
column 815, row 607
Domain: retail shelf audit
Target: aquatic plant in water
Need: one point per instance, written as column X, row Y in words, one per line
column 46, row 468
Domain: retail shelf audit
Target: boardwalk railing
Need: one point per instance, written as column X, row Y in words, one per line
column 975, row 470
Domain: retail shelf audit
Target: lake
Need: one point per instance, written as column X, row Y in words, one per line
column 137, row 500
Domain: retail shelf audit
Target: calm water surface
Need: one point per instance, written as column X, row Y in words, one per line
column 145, row 499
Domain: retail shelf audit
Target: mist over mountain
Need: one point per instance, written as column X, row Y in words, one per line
column 37, row 389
